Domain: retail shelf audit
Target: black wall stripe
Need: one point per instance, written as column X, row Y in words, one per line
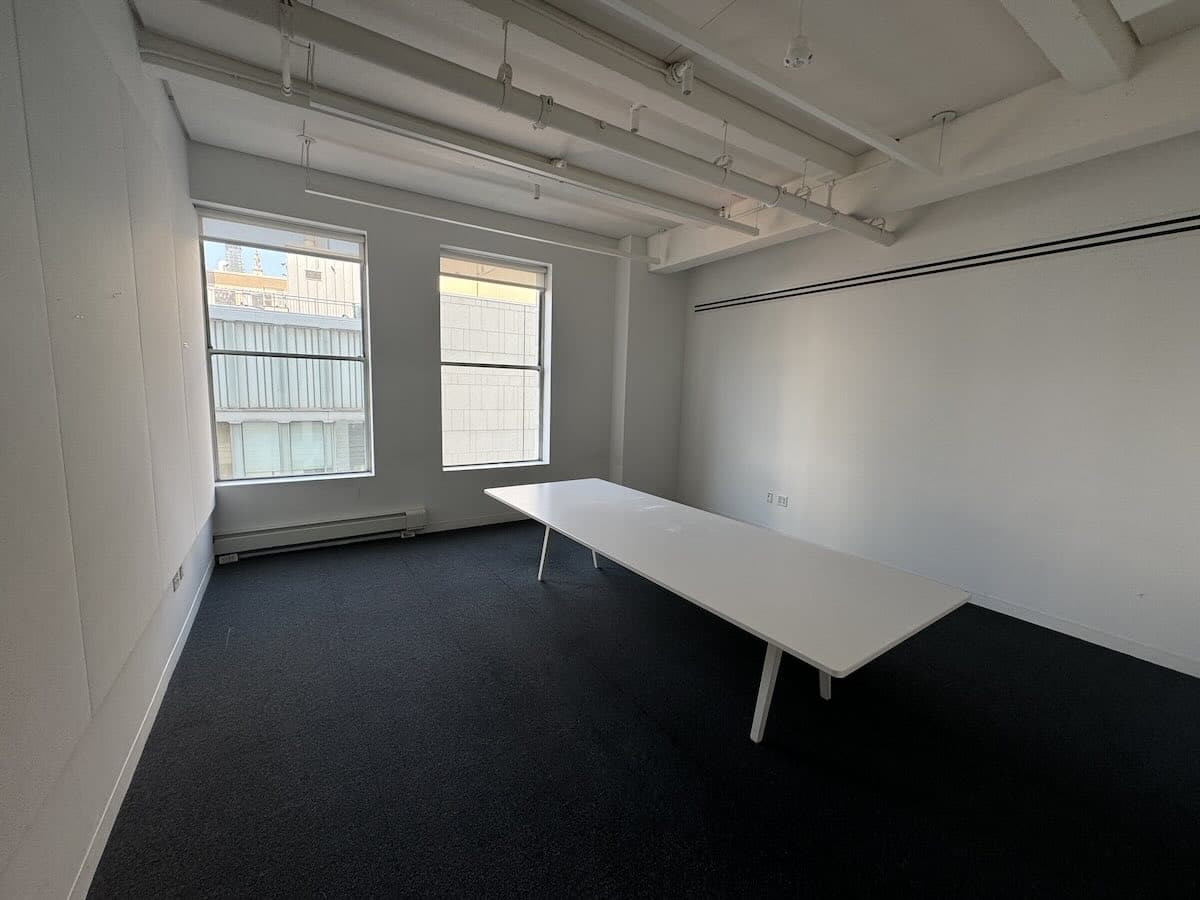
column 973, row 261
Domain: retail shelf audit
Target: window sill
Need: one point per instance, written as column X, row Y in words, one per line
column 530, row 463
column 293, row 479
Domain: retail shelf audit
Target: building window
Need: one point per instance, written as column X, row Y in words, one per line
column 288, row 352
column 493, row 361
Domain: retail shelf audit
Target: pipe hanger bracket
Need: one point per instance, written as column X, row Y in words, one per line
column 543, row 118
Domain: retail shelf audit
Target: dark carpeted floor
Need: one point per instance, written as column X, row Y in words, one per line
column 423, row 718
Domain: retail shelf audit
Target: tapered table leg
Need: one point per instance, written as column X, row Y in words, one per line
column 766, row 688
column 545, row 544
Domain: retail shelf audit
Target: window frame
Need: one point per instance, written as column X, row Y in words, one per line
column 319, row 230
column 542, row 367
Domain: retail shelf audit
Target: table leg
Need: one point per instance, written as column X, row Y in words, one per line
column 595, row 562
column 766, row 688
column 826, row 685
column 545, row 544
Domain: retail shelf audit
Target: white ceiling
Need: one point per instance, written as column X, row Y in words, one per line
column 892, row 64
column 230, row 118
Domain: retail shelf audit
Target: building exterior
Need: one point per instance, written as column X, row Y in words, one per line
column 287, row 416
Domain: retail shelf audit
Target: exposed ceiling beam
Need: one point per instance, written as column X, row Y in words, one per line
column 344, row 36
column 178, row 57
column 705, row 108
column 365, row 193
column 1084, row 39
column 1131, row 9
column 661, row 20
column 1045, row 128
column 220, row 192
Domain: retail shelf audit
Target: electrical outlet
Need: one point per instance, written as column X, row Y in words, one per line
column 225, row 558
column 770, row 496
column 782, row 501
column 177, row 579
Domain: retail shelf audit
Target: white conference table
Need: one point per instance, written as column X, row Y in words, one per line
column 835, row 611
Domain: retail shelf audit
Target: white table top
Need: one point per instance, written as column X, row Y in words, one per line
column 832, row 610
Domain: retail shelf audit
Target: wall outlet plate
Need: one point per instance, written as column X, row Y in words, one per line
column 770, row 496
column 782, row 501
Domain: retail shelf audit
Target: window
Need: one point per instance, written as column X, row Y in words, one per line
column 287, row 347
column 493, row 361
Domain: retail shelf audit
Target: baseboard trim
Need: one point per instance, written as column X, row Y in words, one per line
column 1164, row 658
column 91, row 859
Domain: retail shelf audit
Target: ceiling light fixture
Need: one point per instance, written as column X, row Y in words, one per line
column 799, row 51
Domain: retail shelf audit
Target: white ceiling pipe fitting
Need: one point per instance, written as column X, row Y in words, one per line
column 285, row 66
column 557, row 170
column 167, row 53
column 760, row 132
column 662, row 21
column 285, row 48
column 354, row 40
column 349, row 190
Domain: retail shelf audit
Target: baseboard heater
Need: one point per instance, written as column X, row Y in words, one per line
column 237, row 545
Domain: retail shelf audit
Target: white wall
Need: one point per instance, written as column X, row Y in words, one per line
column 402, row 260
column 1027, row 431
column 104, row 493
column 43, row 684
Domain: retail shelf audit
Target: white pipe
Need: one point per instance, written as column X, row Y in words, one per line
column 346, row 37
column 161, row 51
column 333, row 187
column 761, row 132
column 396, row 122
column 662, row 21
column 603, row 38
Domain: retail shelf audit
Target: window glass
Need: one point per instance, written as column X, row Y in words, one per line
column 288, row 351
column 492, row 354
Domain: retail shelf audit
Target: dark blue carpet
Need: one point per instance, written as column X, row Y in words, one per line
column 422, row 718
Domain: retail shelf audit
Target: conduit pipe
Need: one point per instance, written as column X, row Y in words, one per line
column 660, row 20
column 176, row 56
column 551, row 24
column 348, row 190
column 370, row 46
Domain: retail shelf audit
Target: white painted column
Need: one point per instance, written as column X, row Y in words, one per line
column 650, row 320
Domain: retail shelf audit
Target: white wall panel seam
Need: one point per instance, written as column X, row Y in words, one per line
column 187, row 420
column 53, row 367
column 137, row 288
